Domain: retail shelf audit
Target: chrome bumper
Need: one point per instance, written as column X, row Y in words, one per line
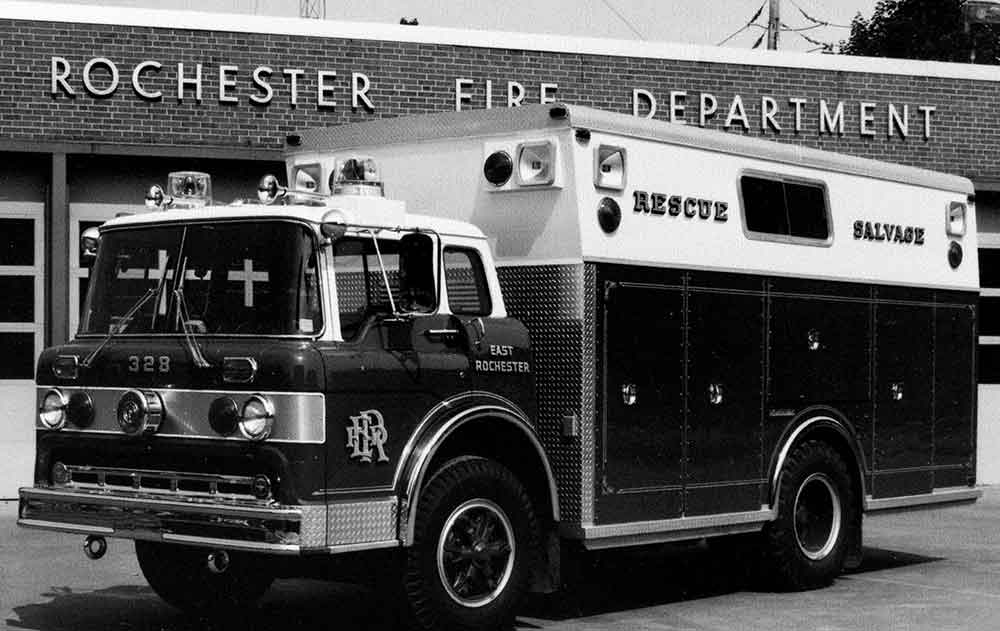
column 273, row 529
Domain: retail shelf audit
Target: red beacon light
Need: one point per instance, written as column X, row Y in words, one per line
column 356, row 176
column 185, row 189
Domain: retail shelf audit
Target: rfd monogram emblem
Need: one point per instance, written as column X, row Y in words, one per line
column 367, row 432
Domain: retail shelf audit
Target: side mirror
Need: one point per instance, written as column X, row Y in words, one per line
column 89, row 241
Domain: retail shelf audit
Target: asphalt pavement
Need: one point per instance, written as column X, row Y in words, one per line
column 933, row 570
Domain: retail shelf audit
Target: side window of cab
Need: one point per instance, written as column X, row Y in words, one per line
column 465, row 281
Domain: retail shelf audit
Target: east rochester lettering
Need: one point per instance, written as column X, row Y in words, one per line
column 497, row 365
column 677, row 205
column 888, row 232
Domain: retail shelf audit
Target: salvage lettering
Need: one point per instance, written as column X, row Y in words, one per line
column 888, row 232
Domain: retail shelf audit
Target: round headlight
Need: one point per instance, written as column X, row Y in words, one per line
column 498, row 168
column 140, row 413
column 257, row 418
column 80, row 409
column 223, row 415
column 52, row 412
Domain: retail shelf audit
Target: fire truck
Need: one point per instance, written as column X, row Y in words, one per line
column 466, row 343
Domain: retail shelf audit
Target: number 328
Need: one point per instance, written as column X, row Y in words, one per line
column 148, row 363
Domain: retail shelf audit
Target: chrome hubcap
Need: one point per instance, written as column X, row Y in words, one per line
column 475, row 555
column 817, row 516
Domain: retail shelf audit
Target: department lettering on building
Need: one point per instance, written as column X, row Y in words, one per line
column 152, row 80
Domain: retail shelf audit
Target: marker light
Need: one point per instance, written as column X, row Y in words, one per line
column 257, row 419
column 498, row 168
column 956, row 219
column 609, row 215
column 155, row 197
column 190, row 189
column 66, row 366
column 609, row 168
column 52, row 412
column 536, row 163
column 356, row 176
column 268, row 189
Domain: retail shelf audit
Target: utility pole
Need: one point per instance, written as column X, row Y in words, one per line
column 773, row 24
column 315, row 9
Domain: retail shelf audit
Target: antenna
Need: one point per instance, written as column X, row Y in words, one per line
column 315, row 9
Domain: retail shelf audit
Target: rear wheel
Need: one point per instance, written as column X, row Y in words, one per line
column 809, row 540
column 181, row 576
column 475, row 543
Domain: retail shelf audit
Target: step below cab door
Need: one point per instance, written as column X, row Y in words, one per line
column 642, row 403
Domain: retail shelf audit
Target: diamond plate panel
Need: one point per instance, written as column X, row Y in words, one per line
column 361, row 522
column 549, row 301
column 312, row 529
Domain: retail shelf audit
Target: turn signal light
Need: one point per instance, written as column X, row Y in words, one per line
column 80, row 409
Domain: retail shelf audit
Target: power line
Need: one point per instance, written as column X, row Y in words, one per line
column 816, row 21
column 749, row 24
column 621, row 17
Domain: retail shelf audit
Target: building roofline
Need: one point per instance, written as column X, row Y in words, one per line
column 237, row 23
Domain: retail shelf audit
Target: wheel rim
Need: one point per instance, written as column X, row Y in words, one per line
column 475, row 554
column 817, row 516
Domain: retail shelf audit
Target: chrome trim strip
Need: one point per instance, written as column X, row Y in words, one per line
column 232, row 544
column 369, row 545
column 426, row 453
column 939, row 496
column 300, row 416
column 59, row 526
column 640, row 533
column 145, row 503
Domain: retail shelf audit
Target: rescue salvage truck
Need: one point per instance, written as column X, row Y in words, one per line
column 601, row 331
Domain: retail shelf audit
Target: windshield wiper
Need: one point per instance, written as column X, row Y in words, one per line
column 124, row 321
column 197, row 356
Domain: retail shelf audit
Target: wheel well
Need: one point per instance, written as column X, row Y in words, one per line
column 841, row 444
column 504, row 443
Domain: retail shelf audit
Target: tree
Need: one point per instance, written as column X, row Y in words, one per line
column 922, row 29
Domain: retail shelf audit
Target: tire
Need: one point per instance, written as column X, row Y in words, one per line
column 475, row 544
column 808, row 542
column 180, row 576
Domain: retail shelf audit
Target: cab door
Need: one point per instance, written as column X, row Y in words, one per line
column 643, row 403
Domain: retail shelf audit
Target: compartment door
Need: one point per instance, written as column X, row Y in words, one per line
column 643, row 397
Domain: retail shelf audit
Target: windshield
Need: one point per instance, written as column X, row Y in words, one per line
column 234, row 279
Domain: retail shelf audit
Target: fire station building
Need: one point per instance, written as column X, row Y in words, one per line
column 97, row 104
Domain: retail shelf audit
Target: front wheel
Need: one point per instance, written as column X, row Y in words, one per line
column 474, row 547
column 181, row 576
column 809, row 540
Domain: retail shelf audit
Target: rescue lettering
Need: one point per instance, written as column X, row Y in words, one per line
column 888, row 232
column 676, row 205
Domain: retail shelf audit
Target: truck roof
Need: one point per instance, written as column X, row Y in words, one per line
column 304, row 213
column 551, row 117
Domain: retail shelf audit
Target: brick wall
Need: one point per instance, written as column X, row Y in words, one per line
column 408, row 78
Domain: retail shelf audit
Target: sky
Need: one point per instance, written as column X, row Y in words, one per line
column 705, row 22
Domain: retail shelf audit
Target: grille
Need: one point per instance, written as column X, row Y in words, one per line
column 166, row 483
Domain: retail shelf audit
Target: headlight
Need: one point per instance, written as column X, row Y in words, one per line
column 52, row 412
column 257, row 418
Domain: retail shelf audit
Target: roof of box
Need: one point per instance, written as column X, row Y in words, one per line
column 551, row 117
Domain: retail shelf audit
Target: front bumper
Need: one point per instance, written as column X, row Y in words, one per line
column 271, row 529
